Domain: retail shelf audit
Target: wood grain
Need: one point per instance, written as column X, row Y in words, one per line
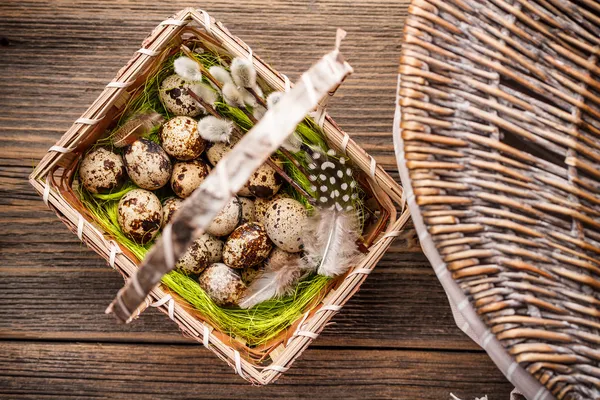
column 395, row 339
column 33, row 369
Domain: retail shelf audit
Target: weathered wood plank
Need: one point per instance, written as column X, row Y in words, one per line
column 397, row 307
column 58, row 370
column 66, row 54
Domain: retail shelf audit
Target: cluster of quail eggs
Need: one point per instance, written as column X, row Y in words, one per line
column 259, row 223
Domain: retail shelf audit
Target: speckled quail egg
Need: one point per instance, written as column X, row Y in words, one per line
column 284, row 221
column 140, row 215
column 264, row 182
column 249, row 274
column 248, row 245
column 245, row 191
column 187, row 176
column 147, row 164
column 216, row 152
column 102, row 171
column 261, row 206
column 174, row 96
column 195, row 259
column 169, row 206
column 279, row 258
column 213, row 246
column 205, row 250
column 226, row 220
column 181, row 139
column 222, row 284
column 247, row 209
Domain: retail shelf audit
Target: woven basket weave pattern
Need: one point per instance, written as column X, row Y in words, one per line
column 501, row 129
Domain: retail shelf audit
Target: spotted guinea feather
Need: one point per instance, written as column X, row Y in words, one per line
column 330, row 234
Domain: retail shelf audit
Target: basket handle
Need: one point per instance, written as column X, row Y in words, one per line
column 227, row 178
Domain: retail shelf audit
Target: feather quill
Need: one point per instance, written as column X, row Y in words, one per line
column 135, row 127
column 330, row 234
column 188, row 69
column 282, row 272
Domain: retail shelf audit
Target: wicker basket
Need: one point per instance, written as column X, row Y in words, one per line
column 54, row 175
column 497, row 139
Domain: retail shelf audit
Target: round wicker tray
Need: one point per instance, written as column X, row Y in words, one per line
column 498, row 145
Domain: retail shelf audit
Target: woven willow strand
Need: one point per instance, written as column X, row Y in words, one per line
column 500, row 137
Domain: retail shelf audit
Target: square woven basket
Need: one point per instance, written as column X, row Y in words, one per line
column 53, row 179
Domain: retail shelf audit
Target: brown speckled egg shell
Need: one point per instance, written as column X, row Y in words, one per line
column 181, row 139
column 102, row 171
column 214, row 247
column 222, row 284
column 248, row 245
column 147, row 164
column 245, row 191
column 169, row 207
column 226, row 220
column 279, row 258
column 140, row 215
column 187, row 176
column 175, row 98
column 217, row 151
column 249, row 274
column 195, row 259
column 261, row 206
column 264, row 182
column 284, row 221
column 247, row 209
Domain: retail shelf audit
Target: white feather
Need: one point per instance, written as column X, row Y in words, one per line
column 188, row 69
column 232, row 95
column 330, row 241
column 243, row 72
column 205, row 92
column 214, row 129
column 273, row 284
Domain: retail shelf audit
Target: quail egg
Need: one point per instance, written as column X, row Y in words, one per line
column 261, row 206
column 214, row 247
column 245, row 191
column 169, row 206
column 216, row 152
column 187, row 176
column 195, row 259
column 147, row 164
column 139, row 215
column 222, row 284
column 284, row 221
column 247, row 209
column 249, row 274
column 205, row 250
column 226, row 220
column 248, row 245
column 181, row 139
column 174, row 96
column 102, row 171
column 264, row 182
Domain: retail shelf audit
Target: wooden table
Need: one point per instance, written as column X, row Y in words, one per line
column 395, row 339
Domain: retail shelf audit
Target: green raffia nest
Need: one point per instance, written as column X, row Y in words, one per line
column 263, row 322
